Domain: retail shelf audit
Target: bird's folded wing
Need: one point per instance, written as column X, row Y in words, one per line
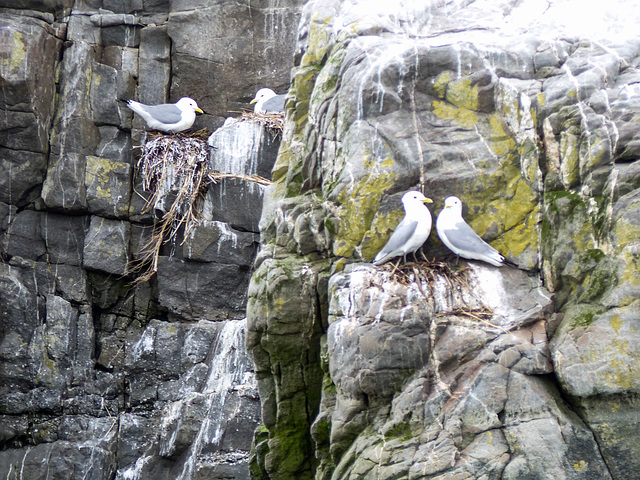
column 464, row 238
column 274, row 104
column 167, row 114
column 403, row 232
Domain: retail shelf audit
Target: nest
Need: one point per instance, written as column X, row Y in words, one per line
column 273, row 121
column 430, row 270
column 176, row 164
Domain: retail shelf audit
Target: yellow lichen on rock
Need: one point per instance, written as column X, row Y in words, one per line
column 358, row 208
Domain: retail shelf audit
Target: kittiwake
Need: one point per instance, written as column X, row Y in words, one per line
column 456, row 234
column 168, row 117
column 268, row 101
column 411, row 232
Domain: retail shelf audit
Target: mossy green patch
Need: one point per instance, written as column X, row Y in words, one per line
column 462, row 93
column 441, row 82
column 359, row 206
column 582, row 315
column 446, row 111
column 378, row 234
column 18, row 53
column 319, row 42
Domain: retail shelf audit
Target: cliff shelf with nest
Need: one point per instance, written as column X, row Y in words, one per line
column 177, row 167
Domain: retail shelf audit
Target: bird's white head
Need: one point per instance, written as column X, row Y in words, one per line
column 413, row 198
column 186, row 103
column 453, row 203
column 263, row 94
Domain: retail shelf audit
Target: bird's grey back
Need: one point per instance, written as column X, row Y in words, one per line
column 465, row 238
column 274, row 104
column 166, row 113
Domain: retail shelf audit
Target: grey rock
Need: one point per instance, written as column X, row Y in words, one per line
column 28, row 86
column 213, row 241
column 108, row 187
column 21, row 176
column 103, row 95
column 64, row 238
column 73, row 130
column 239, row 148
column 56, row 460
column 64, row 185
column 106, row 246
column 243, row 148
column 155, row 66
column 121, row 35
column 219, row 289
column 115, row 145
column 24, row 236
column 227, row 54
column 235, row 202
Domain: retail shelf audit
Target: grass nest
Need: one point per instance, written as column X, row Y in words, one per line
column 430, row 270
column 273, row 121
column 176, row 164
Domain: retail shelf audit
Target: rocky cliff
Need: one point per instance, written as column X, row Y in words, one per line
column 525, row 110
column 101, row 377
column 528, row 113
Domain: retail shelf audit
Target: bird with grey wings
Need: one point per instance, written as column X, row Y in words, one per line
column 168, row 117
column 411, row 232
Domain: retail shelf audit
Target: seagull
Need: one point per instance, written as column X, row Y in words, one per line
column 411, row 232
column 268, row 101
column 456, row 234
column 168, row 117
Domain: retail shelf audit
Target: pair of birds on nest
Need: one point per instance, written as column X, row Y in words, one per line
column 455, row 233
column 179, row 116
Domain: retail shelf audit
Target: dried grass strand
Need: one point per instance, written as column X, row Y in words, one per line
column 175, row 164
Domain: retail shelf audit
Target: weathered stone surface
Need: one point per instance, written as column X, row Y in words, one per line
column 28, row 86
column 531, row 135
column 108, row 187
column 64, row 186
column 82, row 395
column 106, row 246
column 240, row 148
column 202, row 290
column 155, row 65
column 26, row 99
column 528, row 113
column 213, row 241
column 207, row 44
column 21, row 176
column 24, row 236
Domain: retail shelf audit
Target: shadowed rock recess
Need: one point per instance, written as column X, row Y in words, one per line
column 526, row 110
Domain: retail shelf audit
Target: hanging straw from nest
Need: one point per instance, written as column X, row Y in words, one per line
column 176, row 165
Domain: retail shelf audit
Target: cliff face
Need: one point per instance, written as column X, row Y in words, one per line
column 100, row 378
column 484, row 373
column 347, row 370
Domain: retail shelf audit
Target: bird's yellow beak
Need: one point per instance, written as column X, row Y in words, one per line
column 198, row 110
column 255, row 100
column 427, row 200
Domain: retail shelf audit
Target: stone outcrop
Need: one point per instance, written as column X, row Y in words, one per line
column 99, row 377
column 509, row 373
column 347, row 370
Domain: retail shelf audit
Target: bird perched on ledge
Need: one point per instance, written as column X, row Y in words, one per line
column 456, row 234
column 268, row 101
column 411, row 232
column 168, row 117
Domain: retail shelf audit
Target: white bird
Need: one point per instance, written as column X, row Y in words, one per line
column 411, row 232
column 268, row 101
column 168, row 117
column 456, row 234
